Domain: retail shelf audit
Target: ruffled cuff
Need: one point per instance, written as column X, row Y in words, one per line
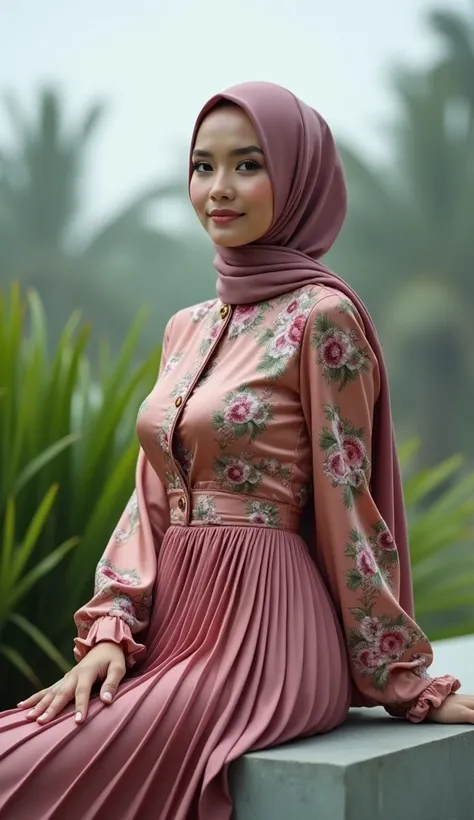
column 109, row 628
column 434, row 695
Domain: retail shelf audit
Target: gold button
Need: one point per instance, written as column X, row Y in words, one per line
column 182, row 504
column 178, row 402
column 224, row 311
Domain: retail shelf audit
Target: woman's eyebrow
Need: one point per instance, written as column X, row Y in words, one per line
column 237, row 152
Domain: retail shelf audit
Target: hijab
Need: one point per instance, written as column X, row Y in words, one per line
column 310, row 204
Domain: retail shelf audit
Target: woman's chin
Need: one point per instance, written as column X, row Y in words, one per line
column 227, row 239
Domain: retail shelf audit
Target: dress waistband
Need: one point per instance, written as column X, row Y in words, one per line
column 214, row 508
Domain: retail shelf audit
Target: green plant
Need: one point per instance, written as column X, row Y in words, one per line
column 73, row 431
column 440, row 509
column 16, row 582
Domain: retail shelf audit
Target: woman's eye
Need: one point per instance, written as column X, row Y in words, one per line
column 202, row 166
column 250, row 164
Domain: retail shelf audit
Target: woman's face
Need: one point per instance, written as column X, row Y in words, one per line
column 230, row 186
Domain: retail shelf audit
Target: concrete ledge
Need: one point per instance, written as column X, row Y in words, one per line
column 373, row 768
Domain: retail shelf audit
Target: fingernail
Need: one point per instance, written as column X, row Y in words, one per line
column 107, row 696
column 31, row 713
column 43, row 716
column 21, row 703
column 78, row 717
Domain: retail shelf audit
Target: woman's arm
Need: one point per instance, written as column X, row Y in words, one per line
column 388, row 652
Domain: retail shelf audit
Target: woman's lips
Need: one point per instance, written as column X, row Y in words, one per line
column 221, row 220
column 220, row 217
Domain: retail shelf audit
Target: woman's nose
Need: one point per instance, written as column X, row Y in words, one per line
column 221, row 188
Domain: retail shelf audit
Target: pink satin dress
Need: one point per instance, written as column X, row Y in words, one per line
column 236, row 637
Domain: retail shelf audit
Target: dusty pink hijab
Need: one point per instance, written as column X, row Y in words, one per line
column 310, row 203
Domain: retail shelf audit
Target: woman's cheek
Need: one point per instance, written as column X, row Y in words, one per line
column 260, row 193
column 198, row 197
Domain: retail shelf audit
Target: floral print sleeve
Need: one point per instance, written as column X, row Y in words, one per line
column 126, row 573
column 388, row 652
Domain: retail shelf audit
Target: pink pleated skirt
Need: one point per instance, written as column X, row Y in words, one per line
column 244, row 652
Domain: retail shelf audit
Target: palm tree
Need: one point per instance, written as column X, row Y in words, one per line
column 409, row 247
column 108, row 274
column 456, row 65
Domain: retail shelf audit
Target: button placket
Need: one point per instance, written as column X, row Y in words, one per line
column 184, row 504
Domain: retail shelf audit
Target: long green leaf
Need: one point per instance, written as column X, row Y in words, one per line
column 8, row 543
column 37, row 523
column 41, row 640
column 19, row 662
column 43, row 568
column 44, row 458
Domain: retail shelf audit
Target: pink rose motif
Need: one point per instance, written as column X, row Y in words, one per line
column 371, row 629
column 353, row 451
column 337, row 466
column 366, row 563
column 108, row 572
column 236, row 473
column 281, row 343
column 385, row 541
column 214, row 332
column 281, row 346
column 123, row 608
column 369, row 660
column 240, row 411
column 294, row 305
column 271, row 465
column 258, row 518
column 245, row 314
column 336, row 349
column 296, row 329
column 393, row 642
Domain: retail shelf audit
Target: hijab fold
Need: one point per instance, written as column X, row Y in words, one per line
column 310, row 204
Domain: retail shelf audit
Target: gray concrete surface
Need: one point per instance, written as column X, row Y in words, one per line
column 373, row 768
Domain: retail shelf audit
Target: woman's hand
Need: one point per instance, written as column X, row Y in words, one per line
column 105, row 661
column 455, row 709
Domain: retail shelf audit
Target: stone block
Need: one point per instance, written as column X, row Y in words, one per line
column 373, row 768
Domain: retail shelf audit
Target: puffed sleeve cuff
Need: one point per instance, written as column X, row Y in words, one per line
column 434, row 695
column 113, row 629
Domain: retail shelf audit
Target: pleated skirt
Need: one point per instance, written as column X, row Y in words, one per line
column 244, row 652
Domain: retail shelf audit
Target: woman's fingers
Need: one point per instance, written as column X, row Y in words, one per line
column 85, row 681
column 34, row 699
column 59, row 700
column 115, row 673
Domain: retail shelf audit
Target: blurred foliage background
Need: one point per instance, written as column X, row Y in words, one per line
column 77, row 354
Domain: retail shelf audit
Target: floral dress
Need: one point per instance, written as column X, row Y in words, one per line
column 236, row 637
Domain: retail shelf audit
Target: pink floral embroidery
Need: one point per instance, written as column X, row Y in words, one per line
column 378, row 640
column 132, row 521
column 296, row 329
column 340, row 354
column 212, row 331
column 371, row 561
column 205, row 510
column 246, row 318
column 345, row 462
column 245, row 413
column 366, row 564
column 199, row 312
column 263, row 513
column 237, row 473
column 131, row 605
column 283, row 339
column 172, row 362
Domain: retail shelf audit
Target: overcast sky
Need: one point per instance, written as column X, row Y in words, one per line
column 157, row 61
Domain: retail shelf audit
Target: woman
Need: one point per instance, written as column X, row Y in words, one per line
column 272, row 401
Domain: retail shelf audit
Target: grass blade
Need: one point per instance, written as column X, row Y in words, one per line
column 19, row 662
column 41, row 640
